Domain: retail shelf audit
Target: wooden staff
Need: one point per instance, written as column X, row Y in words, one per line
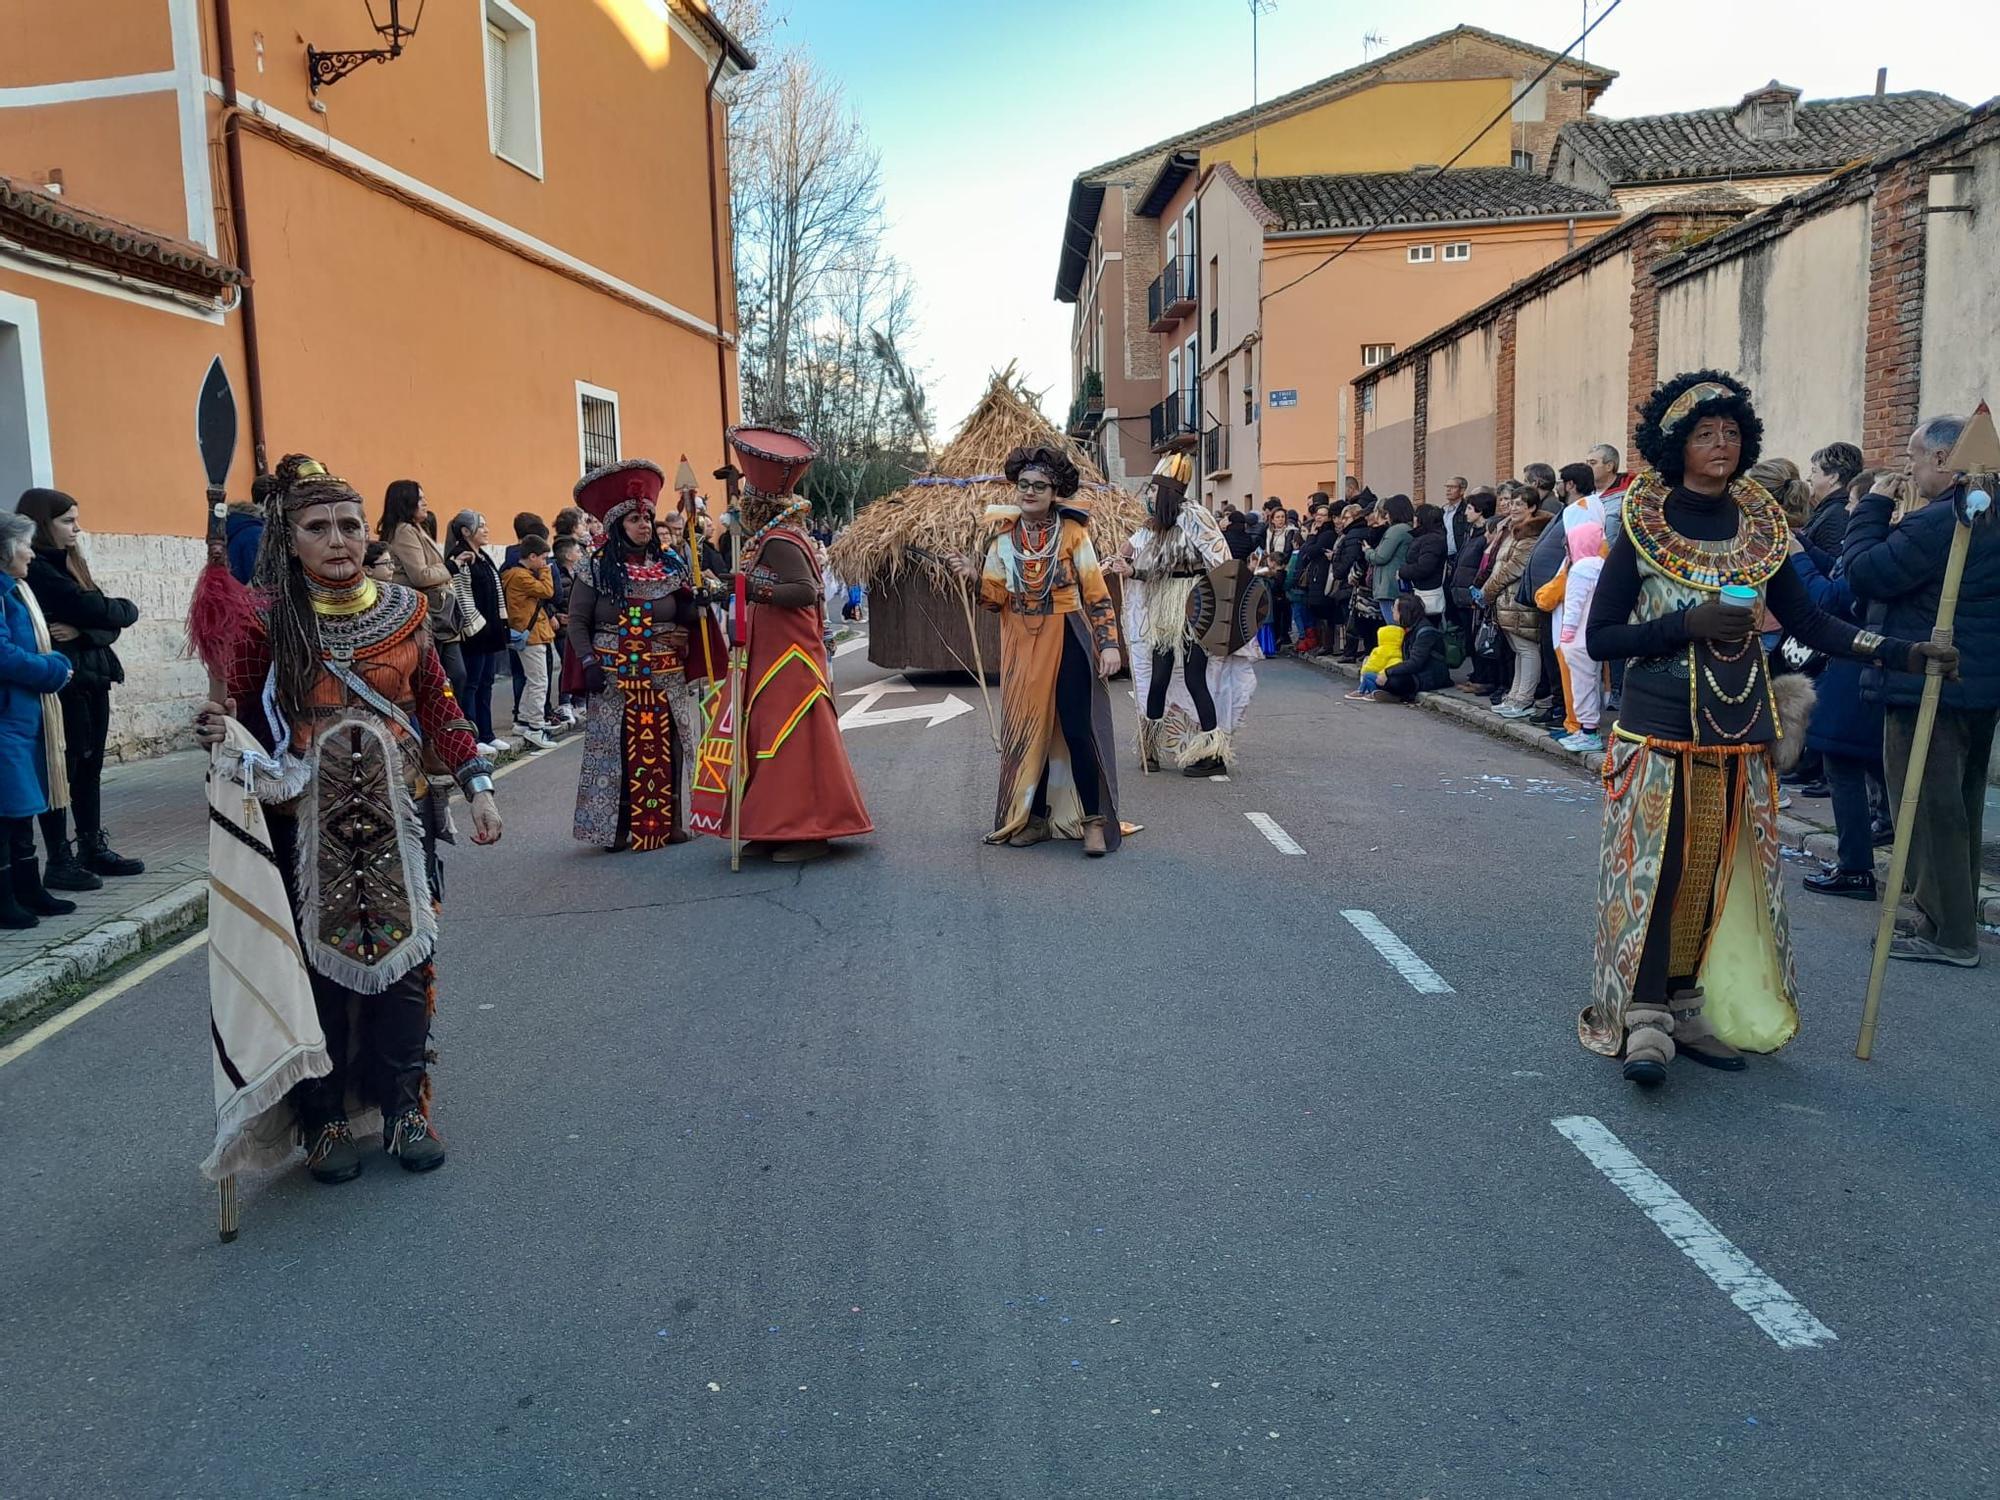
column 978, row 659
column 739, row 672
column 1976, row 449
column 685, row 485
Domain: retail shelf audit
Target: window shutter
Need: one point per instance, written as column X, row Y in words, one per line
column 496, row 83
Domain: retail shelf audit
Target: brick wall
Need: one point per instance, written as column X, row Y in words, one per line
column 1360, row 436
column 1505, row 331
column 1643, row 362
column 1892, row 368
column 1420, row 444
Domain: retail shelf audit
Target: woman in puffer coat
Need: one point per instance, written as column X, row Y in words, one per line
column 1520, row 623
column 1424, row 563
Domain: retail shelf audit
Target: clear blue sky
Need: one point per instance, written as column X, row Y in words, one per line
column 983, row 112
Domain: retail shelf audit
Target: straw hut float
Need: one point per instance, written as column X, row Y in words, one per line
column 899, row 545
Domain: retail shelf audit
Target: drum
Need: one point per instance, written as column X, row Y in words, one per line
column 1227, row 607
column 774, row 459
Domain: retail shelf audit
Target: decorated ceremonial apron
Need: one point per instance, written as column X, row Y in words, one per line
column 1729, row 927
column 634, row 787
column 798, row 784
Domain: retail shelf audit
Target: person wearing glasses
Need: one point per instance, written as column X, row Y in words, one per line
column 1058, row 644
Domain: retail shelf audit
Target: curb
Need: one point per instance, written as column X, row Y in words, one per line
column 1816, row 839
column 69, row 967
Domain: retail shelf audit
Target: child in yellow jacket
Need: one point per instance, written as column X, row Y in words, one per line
column 528, row 587
column 1388, row 651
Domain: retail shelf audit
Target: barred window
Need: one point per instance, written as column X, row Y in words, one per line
column 597, row 426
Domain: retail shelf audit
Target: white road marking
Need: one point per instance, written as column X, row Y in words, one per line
column 1267, row 825
column 1769, row 1305
column 865, row 715
column 30, row 1040
column 1402, row 958
column 848, row 647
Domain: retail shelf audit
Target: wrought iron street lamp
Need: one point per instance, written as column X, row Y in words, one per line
column 330, row 67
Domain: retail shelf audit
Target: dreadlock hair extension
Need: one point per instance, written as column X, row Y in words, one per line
column 293, row 626
column 607, row 574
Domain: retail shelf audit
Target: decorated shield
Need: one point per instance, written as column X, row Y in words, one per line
column 1227, row 607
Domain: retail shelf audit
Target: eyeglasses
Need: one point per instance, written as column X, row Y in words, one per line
column 1033, row 487
column 1719, row 437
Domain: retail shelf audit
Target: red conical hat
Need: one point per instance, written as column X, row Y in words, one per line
column 608, row 493
column 774, row 459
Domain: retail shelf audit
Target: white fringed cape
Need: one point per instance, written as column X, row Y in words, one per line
column 265, row 1035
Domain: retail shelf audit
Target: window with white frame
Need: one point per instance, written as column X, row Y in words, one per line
column 596, row 426
column 1419, row 255
column 1524, row 161
column 513, row 86
column 1460, row 250
column 1376, row 354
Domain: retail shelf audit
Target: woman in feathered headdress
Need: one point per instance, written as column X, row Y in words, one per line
column 1693, row 946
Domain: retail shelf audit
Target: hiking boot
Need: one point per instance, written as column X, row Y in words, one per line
column 102, row 859
column 65, row 872
column 333, row 1156
column 410, row 1139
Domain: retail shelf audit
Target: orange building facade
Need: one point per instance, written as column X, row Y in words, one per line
column 486, row 264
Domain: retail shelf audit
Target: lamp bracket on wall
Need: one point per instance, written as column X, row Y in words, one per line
column 328, row 68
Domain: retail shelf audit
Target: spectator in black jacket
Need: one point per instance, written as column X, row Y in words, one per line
column 84, row 624
column 1315, row 568
column 1900, row 568
column 1347, row 579
column 1424, row 564
column 1833, row 470
column 465, row 548
column 1474, row 518
column 1422, row 668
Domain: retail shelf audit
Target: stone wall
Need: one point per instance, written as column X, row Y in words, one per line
column 151, row 711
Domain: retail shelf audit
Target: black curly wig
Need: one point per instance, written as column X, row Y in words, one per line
column 1051, row 461
column 1664, row 445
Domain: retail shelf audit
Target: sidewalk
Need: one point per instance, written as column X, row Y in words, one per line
column 1806, row 826
column 154, row 810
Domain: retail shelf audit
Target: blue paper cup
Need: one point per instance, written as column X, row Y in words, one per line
column 1736, row 593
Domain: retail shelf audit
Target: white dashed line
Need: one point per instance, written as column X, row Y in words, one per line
column 1267, row 825
column 1402, row 958
column 1769, row 1305
column 849, row 646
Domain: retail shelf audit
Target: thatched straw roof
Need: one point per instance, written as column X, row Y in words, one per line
column 942, row 519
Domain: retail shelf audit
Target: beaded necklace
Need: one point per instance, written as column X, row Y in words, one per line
column 1751, row 557
column 799, row 506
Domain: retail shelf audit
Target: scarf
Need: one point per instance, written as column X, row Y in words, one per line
column 54, row 750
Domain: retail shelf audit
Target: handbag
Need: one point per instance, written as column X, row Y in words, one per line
column 462, row 614
column 1433, row 603
column 1454, row 646
column 1486, row 642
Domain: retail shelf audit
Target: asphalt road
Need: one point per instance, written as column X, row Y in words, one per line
column 936, row 1170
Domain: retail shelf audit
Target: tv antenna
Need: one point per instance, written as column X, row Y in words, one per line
column 1372, row 43
column 1258, row 10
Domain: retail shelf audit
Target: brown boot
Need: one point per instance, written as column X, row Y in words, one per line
column 1696, row 1040
column 1093, row 838
column 1649, row 1043
column 1034, row 831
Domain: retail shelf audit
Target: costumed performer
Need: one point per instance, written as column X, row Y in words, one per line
column 799, row 790
column 352, row 716
column 1190, row 715
column 632, row 612
column 1693, row 946
column 1058, row 644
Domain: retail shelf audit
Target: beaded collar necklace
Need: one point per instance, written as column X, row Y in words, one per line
column 1749, row 558
column 329, row 598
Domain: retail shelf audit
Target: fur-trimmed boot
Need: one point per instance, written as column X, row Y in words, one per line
column 1695, row 1039
column 1151, row 732
column 1207, row 754
column 1649, row 1043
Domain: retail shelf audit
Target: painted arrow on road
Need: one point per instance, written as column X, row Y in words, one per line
column 865, row 715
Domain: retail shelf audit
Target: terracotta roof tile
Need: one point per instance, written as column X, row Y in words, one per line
column 1357, row 200
column 1829, row 133
column 41, row 221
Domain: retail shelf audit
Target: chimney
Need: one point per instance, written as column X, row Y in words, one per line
column 1881, row 82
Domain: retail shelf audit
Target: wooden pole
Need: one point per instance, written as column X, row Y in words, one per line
column 1913, row 780
column 225, row 1207
column 739, row 673
column 978, row 660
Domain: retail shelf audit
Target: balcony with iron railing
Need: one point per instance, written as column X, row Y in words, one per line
column 1171, row 296
column 1176, row 423
column 1086, row 412
column 1215, row 451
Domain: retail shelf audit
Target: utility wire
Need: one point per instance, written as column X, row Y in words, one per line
column 1395, row 217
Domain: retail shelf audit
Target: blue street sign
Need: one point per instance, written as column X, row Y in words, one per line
column 1284, row 398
